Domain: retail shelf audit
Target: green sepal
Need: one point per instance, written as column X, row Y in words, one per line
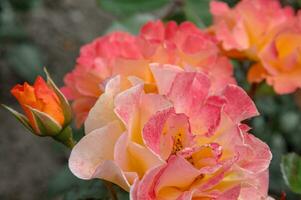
column 20, row 117
column 47, row 125
column 65, row 137
column 64, row 102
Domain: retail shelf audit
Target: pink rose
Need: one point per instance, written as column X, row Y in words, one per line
column 244, row 29
column 184, row 141
column 281, row 60
column 122, row 54
column 94, row 66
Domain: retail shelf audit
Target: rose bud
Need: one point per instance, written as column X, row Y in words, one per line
column 47, row 112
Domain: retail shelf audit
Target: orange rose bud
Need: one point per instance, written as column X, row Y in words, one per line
column 40, row 97
column 47, row 111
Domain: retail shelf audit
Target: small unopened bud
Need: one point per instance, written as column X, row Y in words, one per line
column 46, row 110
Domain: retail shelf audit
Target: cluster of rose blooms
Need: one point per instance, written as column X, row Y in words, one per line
column 161, row 109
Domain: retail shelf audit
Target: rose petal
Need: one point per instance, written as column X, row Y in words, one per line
column 89, row 158
column 102, row 112
column 239, row 105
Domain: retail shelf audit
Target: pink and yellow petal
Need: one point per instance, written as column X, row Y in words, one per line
column 93, row 155
column 239, row 105
column 102, row 112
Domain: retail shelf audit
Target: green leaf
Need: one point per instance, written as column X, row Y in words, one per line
column 25, row 61
column 291, row 171
column 131, row 24
column 130, row 7
column 198, row 12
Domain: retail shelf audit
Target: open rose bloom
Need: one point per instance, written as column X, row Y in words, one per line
column 185, row 140
column 245, row 29
column 281, row 59
column 264, row 32
column 126, row 55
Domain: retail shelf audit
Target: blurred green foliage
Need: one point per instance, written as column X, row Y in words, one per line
column 26, row 60
column 67, row 186
column 279, row 126
column 126, row 8
column 22, row 56
column 22, row 5
column 131, row 24
column 198, row 12
column 294, row 3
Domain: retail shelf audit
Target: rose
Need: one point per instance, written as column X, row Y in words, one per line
column 244, row 29
column 39, row 98
column 280, row 60
column 122, row 54
column 47, row 111
column 186, row 141
column 94, row 67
